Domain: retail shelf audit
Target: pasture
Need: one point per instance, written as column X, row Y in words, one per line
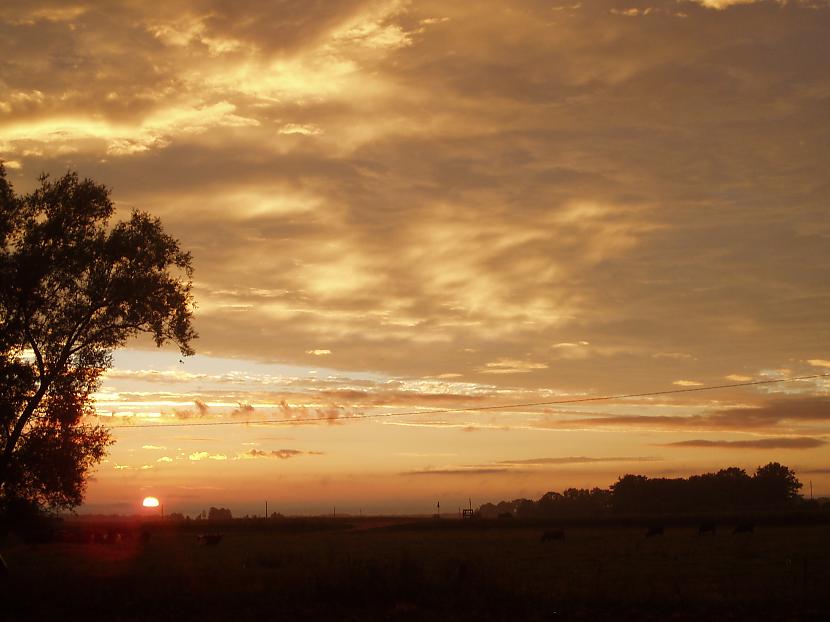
column 477, row 570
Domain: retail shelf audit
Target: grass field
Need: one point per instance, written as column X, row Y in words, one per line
column 358, row 570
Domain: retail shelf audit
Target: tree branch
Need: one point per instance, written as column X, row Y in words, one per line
column 38, row 356
column 100, row 333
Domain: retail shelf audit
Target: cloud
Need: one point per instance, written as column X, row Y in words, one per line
column 331, row 414
column 773, row 415
column 687, row 383
column 165, row 459
column 577, row 460
column 318, row 352
column 459, row 471
column 243, row 410
column 525, row 465
column 152, row 375
column 153, row 447
column 762, row 443
column 799, row 409
column 819, row 362
column 723, row 4
column 306, row 129
column 195, row 439
column 511, row 366
column 282, row 454
column 203, row 455
column 679, row 356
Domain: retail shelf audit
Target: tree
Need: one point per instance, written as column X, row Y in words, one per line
column 631, row 494
column 219, row 514
column 775, row 485
column 72, row 289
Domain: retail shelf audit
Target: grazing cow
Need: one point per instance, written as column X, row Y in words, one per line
column 655, row 530
column 552, row 534
column 209, row 539
column 706, row 528
column 744, row 527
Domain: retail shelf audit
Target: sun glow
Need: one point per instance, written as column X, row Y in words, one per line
column 150, row 502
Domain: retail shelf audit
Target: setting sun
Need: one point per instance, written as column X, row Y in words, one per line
column 150, row 502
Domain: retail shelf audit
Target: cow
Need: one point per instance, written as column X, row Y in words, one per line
column 552, row 534
column 706, row 528
column 654, row 530
column 209, row 539
column 744, row 527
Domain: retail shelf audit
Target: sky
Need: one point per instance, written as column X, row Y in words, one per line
column 398, row 207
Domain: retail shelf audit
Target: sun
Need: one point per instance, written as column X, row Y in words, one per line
column 150, row 502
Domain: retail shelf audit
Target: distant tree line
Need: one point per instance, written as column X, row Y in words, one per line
column 772, row 487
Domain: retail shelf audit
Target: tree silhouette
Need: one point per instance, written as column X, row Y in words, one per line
column 773, row 487
column 775, row 484
column 219, row 514
column 72, row 289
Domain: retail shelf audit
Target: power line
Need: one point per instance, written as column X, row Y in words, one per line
column 578, row 400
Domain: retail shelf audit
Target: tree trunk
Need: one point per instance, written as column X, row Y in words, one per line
column 19, row 427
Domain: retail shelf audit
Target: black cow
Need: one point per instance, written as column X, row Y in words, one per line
column 209, row 539
column 552, row 534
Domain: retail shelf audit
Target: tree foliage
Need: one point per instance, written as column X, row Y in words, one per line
column 73, row 288
column 773, row 486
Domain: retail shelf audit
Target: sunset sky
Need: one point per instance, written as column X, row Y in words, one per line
column 401, row 206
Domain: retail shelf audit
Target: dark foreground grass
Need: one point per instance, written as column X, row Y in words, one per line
column 475, row 572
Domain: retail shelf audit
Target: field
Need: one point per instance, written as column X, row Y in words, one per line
column 436, row 570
